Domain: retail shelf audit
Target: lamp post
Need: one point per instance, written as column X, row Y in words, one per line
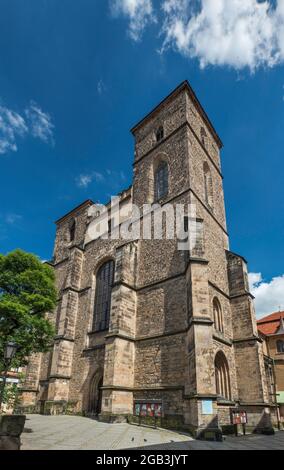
column 10, row 349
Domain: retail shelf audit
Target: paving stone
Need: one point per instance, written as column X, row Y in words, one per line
column 67, row 433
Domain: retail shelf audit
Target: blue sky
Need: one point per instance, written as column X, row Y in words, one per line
column 75, row 76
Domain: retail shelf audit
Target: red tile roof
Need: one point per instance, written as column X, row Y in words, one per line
column 270, row 324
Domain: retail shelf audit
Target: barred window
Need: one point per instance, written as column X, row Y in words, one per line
column 104, row 282
column 161, row 181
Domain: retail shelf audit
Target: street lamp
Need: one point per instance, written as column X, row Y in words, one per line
column 10, row 349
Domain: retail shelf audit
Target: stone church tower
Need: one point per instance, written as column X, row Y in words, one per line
column 140, row 323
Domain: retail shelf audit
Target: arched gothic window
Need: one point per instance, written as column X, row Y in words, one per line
column 218, row 316
column 280, row 346
column 222, row 376
column 160, row 134
column 161, row 181
column 72, row 231
column 208, row 185
column 104, row 282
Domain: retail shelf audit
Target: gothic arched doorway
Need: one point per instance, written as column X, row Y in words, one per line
column 96, row 393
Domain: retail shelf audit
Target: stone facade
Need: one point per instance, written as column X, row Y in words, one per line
column 162, row 341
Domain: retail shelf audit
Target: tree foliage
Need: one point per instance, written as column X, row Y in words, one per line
column 27, row 293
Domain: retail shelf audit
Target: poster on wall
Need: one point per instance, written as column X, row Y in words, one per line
column 158, row 410
column 239, row 417
column 207, row 407
column 137, row 409
column 143, row 410
column 152, row 410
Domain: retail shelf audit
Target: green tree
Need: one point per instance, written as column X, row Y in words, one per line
column 27, row 293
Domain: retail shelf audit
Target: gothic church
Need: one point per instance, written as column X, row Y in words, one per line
column 141, row 327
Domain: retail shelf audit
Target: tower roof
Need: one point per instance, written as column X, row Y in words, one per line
column 183, row 86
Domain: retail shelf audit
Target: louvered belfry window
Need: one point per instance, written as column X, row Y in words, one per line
column 104, row 282
column 160, row 134
column 72, row 230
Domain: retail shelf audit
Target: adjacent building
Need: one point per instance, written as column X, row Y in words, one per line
column 141, row 326
column 271, row 329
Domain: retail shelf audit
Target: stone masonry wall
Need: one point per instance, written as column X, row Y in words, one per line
column 162, row 342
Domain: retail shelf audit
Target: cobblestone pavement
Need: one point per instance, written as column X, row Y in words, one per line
column 75, row 433
column 71, row 432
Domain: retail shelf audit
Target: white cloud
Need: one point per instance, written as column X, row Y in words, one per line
column 139, row 12
column 98, row 176
column 14, row 125
column 84, row 180
column 40, row 123
column 111, row 178
column 101, row 87
column 12, row 218
column 269, row 296
column 254, row 279
column 236, row 33
column 8, row 220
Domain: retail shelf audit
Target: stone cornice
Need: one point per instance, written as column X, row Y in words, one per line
column 193, row 321
column 248, row 340
column 223, row 340
column 28, row 390
column 64, row 338
column 200, row 321
column 60, row 377
column 146, row 338
column 192, row 260
column 219, row 290
column 244, row 294
column 157, row 388
column 92, row 333
column 77, row 291
column 93, row 348
column 64, row 260
column 224, row 402
column 172, row 134
column 200, row 396
column 72, row 289
column 278, row 360
column 124, row 284
column 262, row 404
column 209, row 211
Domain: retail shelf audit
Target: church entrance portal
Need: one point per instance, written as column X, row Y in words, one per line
column 95, row 403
